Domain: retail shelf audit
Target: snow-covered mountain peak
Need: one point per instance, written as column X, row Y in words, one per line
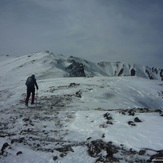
column 46, row 64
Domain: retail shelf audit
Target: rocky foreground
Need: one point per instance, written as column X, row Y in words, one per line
column 42, row 127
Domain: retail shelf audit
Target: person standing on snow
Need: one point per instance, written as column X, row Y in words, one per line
column 30, row 83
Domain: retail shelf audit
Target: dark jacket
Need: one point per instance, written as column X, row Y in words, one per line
column 31, row 83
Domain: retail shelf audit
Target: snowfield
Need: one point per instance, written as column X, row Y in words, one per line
column 77, row 119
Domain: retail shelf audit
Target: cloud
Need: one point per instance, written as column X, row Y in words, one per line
column 129, row 31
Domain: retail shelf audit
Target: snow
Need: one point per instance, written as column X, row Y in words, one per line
column 69, row 119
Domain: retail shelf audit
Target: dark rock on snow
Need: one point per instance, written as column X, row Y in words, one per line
column 137, row 120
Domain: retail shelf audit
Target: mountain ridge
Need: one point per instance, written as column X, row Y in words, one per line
column 46, row 64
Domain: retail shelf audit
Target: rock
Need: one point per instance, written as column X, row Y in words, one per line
column 89, row 138
column 55, row 158
column 18, row 153
column 103, row 126
column 65, row 149
column 159, row 111
column 107, row 116
column 78, row 94
column 100, row 159
column 95, row 147
column 5, row 145
column 26, row 119
column 109, row 122
column 131, row 151
column 137, row 120
column 142, row 152
column 62, row 155
column 110, row 150
column 131, row 112
column 120, row 72
column 73, row 85
column 76, row 69
column 131, row 123
column 123, row 113
column 133, row 72
column 103, row 135
column 19, row 140
column 156, row 156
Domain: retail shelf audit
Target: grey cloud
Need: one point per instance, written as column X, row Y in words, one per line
column 126, row 30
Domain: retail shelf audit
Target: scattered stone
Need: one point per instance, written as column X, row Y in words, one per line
column 159, row 111
column 156, row 156
column 73, row 85
column 131, row 123
column 38, row 145
column 62, row 155
column 103, row 135
column 131, row 112
column 137, row 120
column 141, row 110
column 142, row 152
column 65, row 149
column 19, row 140
column 103, row 126
column 55, row 158
column 18, row 153
column 109, row 122
column 89, row 138
column 78, row 94
column 96, row 148
column 26, row 119
column 132, row 151
column 123, row 113
column 5, row 145
column 107, row 116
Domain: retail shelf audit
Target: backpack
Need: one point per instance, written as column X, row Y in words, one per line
column 30, row 82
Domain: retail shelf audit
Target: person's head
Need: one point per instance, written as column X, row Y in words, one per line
column 33, row 76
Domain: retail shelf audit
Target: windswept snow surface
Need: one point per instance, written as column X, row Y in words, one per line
column 70, row 113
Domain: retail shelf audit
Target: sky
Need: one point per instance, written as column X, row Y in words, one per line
column 96, row 30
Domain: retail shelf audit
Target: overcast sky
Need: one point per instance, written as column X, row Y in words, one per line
column 97, row 30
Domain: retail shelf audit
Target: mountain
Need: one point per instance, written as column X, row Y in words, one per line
column 84, row 111
column 46, row 64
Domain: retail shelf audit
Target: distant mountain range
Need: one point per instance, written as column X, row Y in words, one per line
column 113, row 69
column 46, row 64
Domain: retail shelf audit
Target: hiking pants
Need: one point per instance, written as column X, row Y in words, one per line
column 29, row 91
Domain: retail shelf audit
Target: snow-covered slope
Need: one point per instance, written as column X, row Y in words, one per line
column 47, row 65
column 82, row 119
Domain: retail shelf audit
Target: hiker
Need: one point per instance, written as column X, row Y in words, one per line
column 31, row 83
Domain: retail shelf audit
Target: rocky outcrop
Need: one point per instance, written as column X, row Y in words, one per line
column 133, row 72
column 96, row 147
column 76, row 69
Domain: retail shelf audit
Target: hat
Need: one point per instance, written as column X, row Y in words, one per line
column 33, row 76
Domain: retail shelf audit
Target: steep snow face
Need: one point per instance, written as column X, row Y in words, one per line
column 48, row 65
